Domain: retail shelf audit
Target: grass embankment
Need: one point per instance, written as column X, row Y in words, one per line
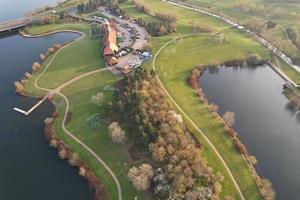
column 174, row 65
column 285, row 68
column 80, row 57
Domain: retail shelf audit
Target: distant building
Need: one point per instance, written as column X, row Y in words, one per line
column 109, row 41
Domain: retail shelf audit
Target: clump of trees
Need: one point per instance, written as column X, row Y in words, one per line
column 141, row 176
column 47, row 19
column 116, row 133
column 165, row 24
column 253, row 59
column 292, row 97
column 169, row 140
column 93, row 5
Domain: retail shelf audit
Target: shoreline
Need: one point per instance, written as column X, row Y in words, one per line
column 100, row 191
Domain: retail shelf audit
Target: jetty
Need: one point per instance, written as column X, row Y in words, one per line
column 33, row 107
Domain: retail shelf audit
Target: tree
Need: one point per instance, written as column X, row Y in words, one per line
column 240, row 147
column 116, row 132
column 252, row 160
column 267, row 190
column 141, row 176
column 20, row 89
column 35, row 66
column 229, row 118
column 253, row 59
column 158, row 153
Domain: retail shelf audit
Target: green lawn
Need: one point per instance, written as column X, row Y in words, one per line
column 115, row 155
column 80, row 57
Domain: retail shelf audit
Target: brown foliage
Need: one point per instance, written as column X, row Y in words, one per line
column 20, row 89
column 240, row 147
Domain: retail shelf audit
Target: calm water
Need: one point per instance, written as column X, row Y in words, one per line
column 263, row 122
column 30, row 168
column 11, row 9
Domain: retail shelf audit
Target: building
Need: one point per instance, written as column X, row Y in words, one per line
column 109, row 41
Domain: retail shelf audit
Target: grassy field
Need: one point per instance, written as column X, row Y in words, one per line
column 286, row 15
column 78, row 58
column 115, row 155
column 68, row 63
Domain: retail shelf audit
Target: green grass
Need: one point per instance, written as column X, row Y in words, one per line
column 136, row 14
column 115, row 155
column 173, row 71
column 78, row 58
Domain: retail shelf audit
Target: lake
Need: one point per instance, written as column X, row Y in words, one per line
column 264, row 121
column 30, row 168
column 10, row 9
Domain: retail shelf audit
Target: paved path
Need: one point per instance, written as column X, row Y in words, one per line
column 70, row 134
column 191, row 121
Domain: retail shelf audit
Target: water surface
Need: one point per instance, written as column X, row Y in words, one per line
column 11, row 9
column 264, row 122
column 30, row 168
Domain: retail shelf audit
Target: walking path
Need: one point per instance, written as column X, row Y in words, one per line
column 191, row 121
column 57, row 91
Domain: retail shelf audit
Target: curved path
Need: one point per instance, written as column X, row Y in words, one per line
column 191, row 121
column 57, row 91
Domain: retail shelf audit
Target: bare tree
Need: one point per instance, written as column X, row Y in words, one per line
column 141, row 176
column 229, row 118
column 116, row 132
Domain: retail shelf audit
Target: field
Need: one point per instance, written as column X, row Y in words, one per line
column 67, row 64
column 285, row 15
column 72, row 60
